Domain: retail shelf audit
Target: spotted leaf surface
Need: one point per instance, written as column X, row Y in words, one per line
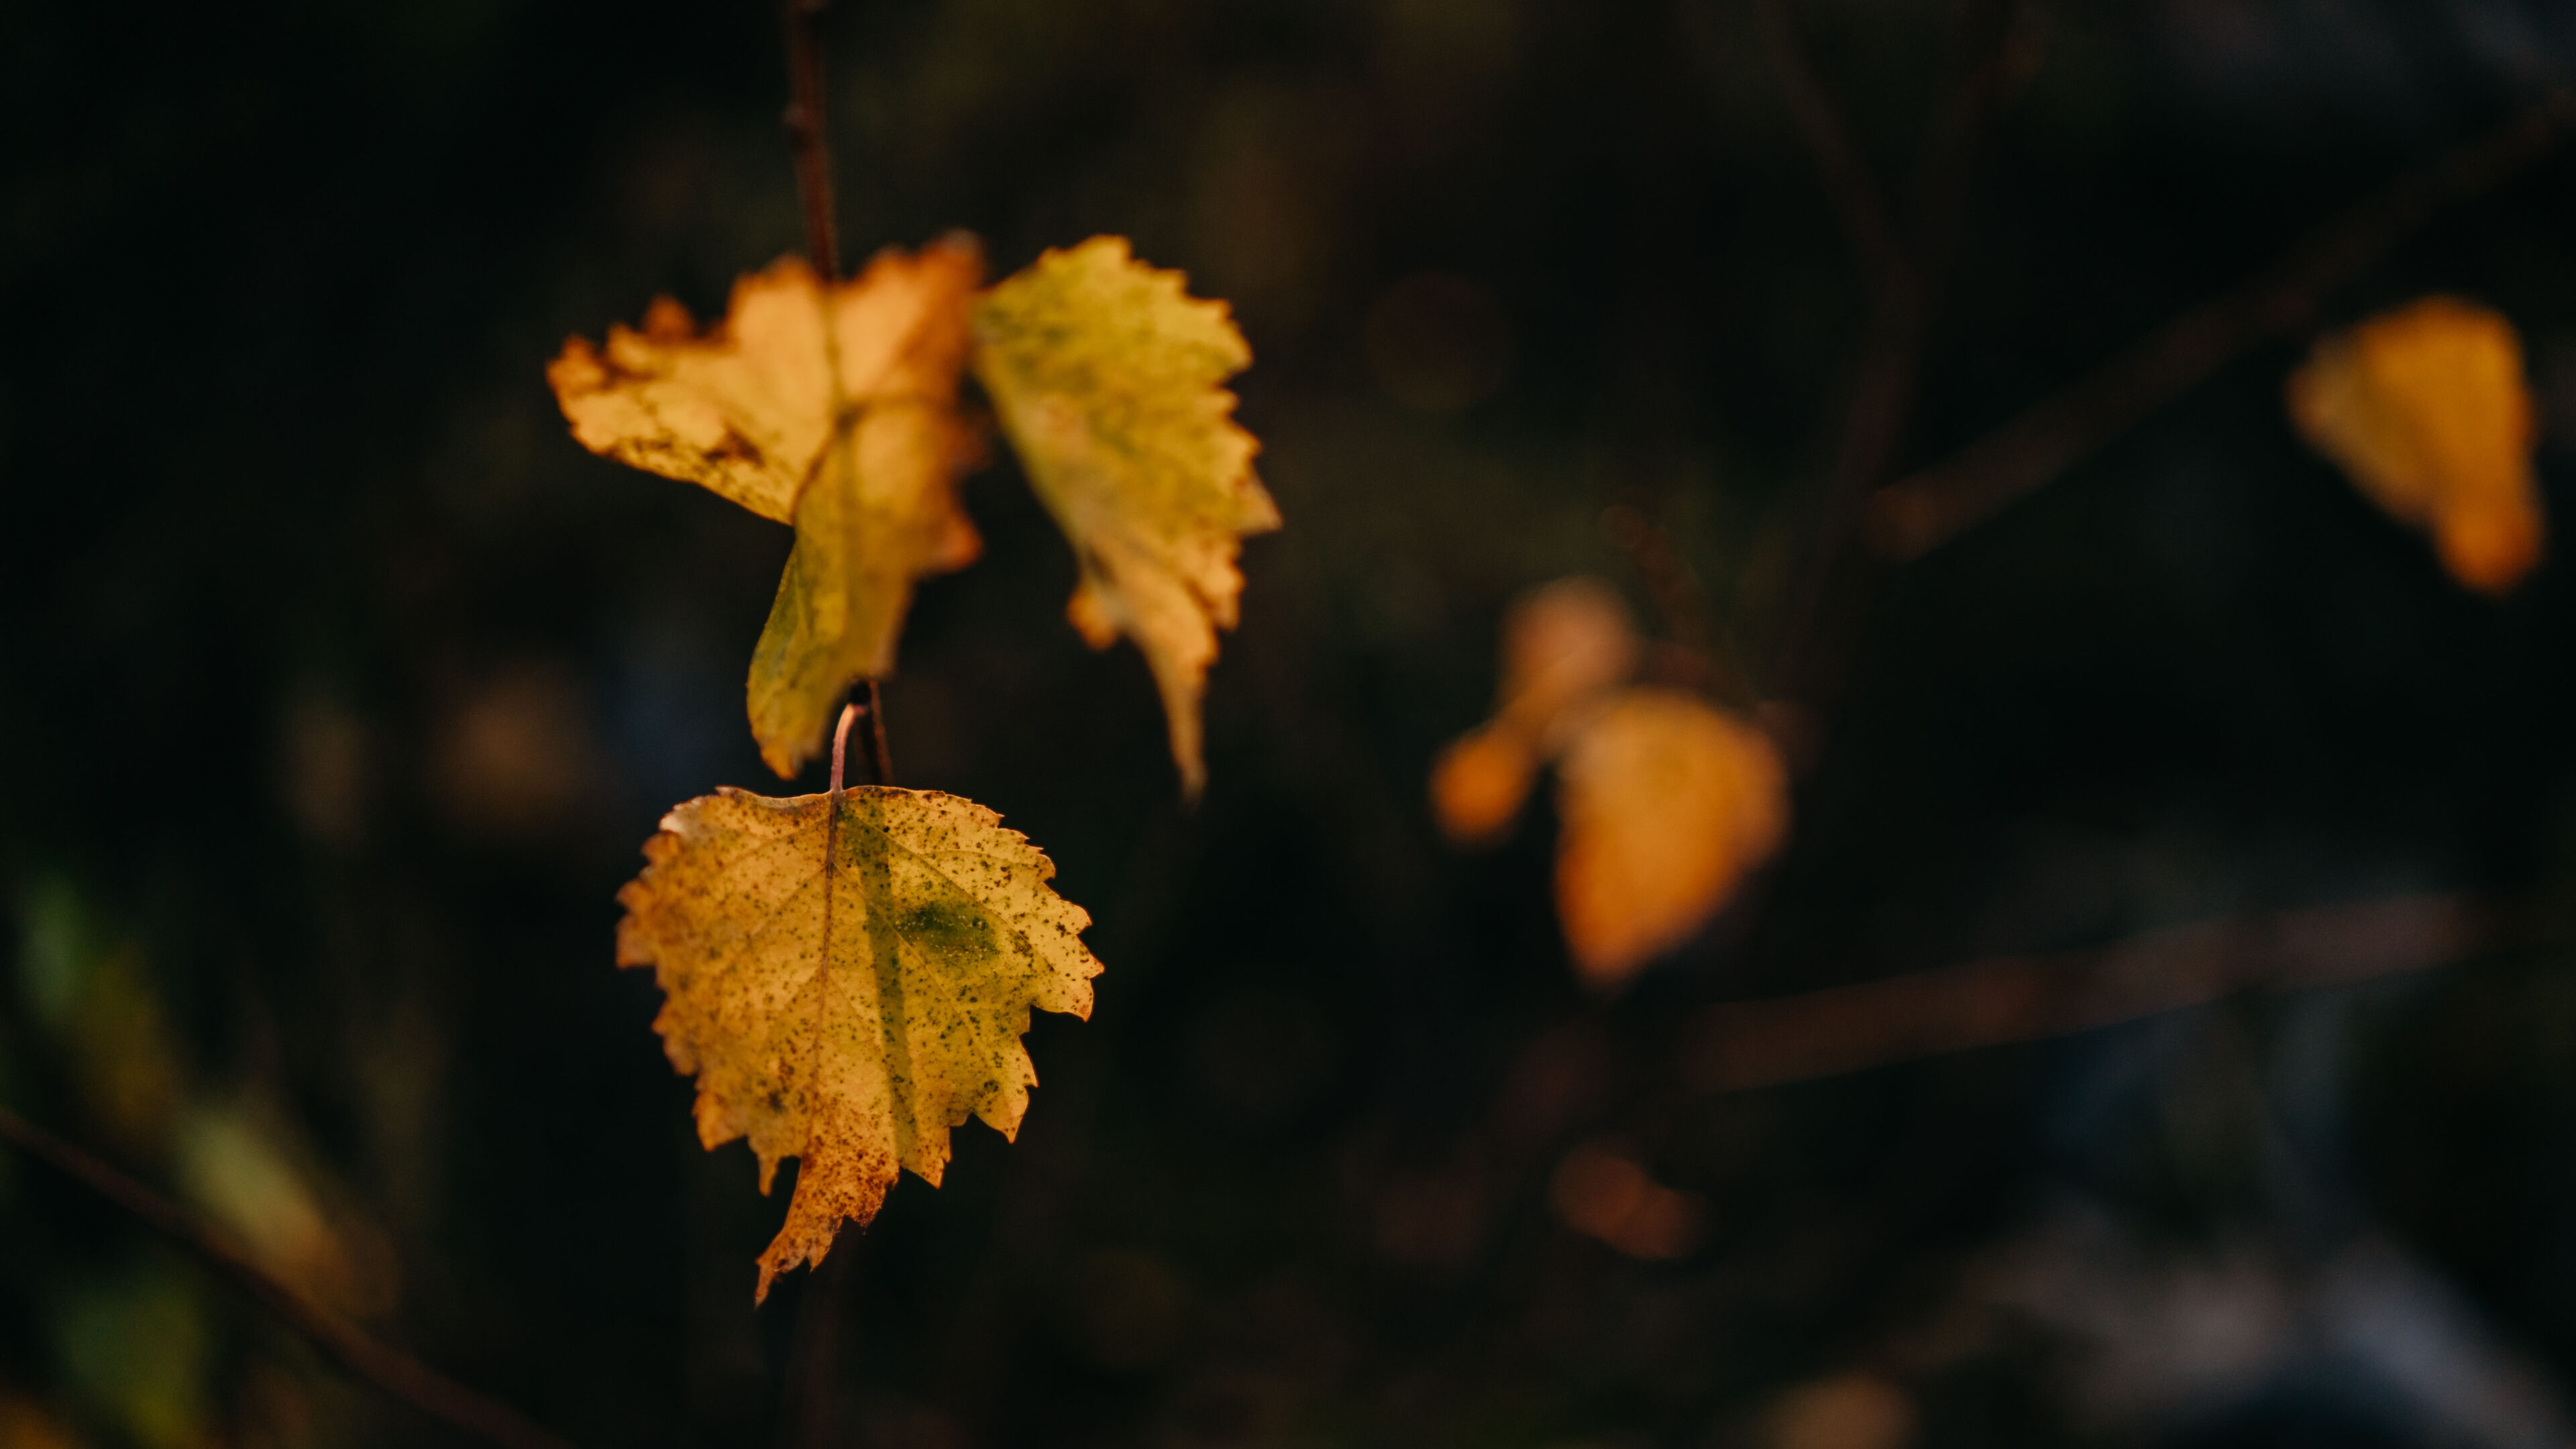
column 848, row 979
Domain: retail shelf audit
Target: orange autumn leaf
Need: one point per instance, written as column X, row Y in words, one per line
column 1563, row 643
column 831, row 408
column 2425, row 409
column 848, row 976
column 1664, row 803
column 1479, row 782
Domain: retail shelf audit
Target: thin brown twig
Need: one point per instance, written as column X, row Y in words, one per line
column 804, row 1416
column 1690, row 654
column 1741, row 1045
column 809, row 1413
column 1991, row 70
column 1882, row 383
column 878, row 759
column 1903, row 281
column 389, row 1370
column 1913, row 516
column 807, row 136
column 1869, row 226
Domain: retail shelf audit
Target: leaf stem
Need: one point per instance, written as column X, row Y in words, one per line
column 388, row 1370
column 841, row 746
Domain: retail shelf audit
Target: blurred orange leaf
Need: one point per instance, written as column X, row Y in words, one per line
column 1602, row 1193
column 1479, row 782
column 829, row 407
column 2425, row 409
column 1563, row 643
column 1663, row 802
column 1107, row 376
column 848, row 977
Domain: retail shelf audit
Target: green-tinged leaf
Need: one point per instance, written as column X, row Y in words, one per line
column 831, row 408
column 1108, row 376
column 847, row 982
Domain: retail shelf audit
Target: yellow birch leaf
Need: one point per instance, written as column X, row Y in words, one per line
column 833, row 409
column 1107, row 377
column 848, row 979
column 1563, row 643
column 743, row 411
column 1663, row 804
column 2425, row 409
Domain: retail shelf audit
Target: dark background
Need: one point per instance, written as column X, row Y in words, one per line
column 338, row 688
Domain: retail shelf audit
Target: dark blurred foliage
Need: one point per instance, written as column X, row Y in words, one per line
column 340, row 687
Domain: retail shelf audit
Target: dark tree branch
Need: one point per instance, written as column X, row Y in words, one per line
column 1882, row 385
column 878, row 760
column 1689, row 655
column 805, row 1410
column 1998, row 52
column 1747, row 1044
column 1869, row 227
column 1915, row 515
column 809, row 1413
column 1903, row 282
column 807, row 136
column 388, row 1370
column 1865, row 426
